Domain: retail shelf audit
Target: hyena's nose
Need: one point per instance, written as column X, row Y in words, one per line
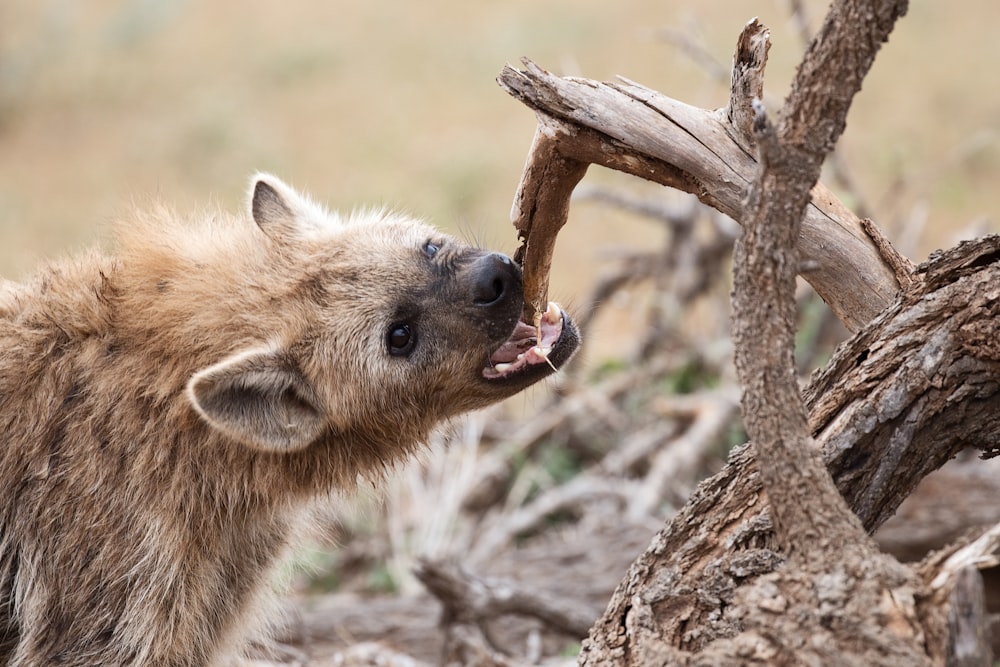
column 495, row 279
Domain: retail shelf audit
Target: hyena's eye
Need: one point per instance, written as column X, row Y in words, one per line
column 431, row 248
column 401, row 339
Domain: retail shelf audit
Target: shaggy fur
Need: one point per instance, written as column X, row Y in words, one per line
column 170, row 410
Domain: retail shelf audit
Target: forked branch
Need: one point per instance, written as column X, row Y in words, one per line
column 630, row 128
column 912, row 388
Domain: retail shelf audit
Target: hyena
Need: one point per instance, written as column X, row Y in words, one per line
column 172, row 409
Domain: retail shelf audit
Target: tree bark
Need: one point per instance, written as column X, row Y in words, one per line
column 829, row 601
column 915, row 385
column 895, row 402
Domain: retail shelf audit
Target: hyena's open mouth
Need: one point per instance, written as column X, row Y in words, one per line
column 526, row 351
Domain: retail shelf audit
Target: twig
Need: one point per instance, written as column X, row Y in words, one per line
column 981, row 550
column 675, row 463
column 637, row 447
column 672, row 214
column 953, row 576
column 696, row 51
column 468, row 598
column 463, row 647
column 901, row 265
column 632, row 269
column 569, row 497
column 682, row 270
column 584, row 407
column 375, row 655
column 968, row 621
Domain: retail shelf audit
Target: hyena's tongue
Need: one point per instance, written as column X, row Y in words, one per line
column 524, row 346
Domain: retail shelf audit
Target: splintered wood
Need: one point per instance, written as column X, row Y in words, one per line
column 541, row 207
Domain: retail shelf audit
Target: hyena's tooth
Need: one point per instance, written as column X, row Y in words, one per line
column 554, row 313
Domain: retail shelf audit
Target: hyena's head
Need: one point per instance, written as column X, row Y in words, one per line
column 383, row 328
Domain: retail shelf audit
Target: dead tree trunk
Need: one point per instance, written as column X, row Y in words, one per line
column 765, row 564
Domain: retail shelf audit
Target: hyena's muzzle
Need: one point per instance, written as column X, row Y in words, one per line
column 523, row 353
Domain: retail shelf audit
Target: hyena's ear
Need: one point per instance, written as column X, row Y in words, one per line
column 260, row 399
column 283, row 213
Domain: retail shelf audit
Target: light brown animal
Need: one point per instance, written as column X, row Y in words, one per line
column 171, row 410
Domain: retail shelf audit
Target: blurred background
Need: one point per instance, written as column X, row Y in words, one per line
column 108, row 102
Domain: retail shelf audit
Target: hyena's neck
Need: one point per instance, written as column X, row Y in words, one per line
column 169, row 529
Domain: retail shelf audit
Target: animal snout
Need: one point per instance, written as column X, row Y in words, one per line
column 495, row 279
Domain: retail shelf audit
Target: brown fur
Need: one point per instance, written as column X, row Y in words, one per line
column 170, row 411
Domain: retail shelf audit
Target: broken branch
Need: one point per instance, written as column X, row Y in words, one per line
column 633, row 129
column 541, row 208
column 468, row 598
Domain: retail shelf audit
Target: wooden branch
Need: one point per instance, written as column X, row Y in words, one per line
column 372, row 654
column 915, row 384
column 953, row 578
column 579, row 407
column 813, row 525
column 968, row 626
column 913, row 388
column 811, row 517
column 957, row 499
column 636, row 130
column 747, row 82
column 566, row 497
column 673, row 215
column 468, row 598
column 463, row 646
column 541, row 208
column 896, row 402
column 901, row 265
column 882, row 425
